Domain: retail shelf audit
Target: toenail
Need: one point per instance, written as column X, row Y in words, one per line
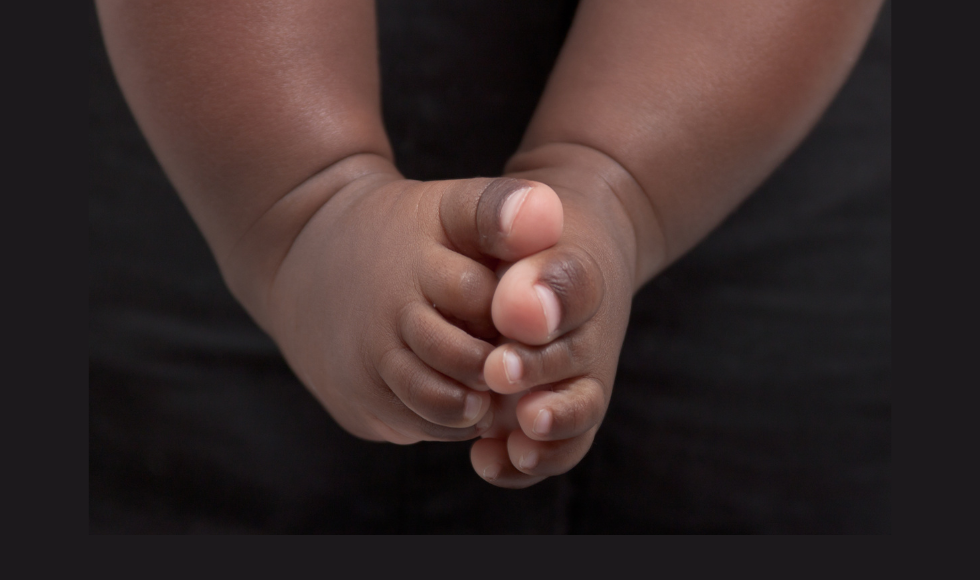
column 530, row 460
column 491, row 472
column 512, row 205
column 512, row 367
column 550, row 306
column 472, row 408
column 542, row 423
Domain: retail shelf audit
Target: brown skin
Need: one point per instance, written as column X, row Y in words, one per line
column 591, row 270
column 360, row 306
column 266, row 117
column 658, row 120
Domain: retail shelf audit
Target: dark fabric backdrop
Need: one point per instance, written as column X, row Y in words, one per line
column 753, row 392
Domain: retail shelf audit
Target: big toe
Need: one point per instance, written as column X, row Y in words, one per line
column 546, row 295
column 530, row 220
column 514, row 218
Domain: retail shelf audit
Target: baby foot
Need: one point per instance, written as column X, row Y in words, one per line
column 565, row 310
column 380, row 302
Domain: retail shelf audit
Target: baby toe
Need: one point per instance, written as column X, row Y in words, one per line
column 503, row 218
column 565, row 410
column 435, row 398
column 444, row 347
column 548, row 294
column 547, row 458
column 491, row 461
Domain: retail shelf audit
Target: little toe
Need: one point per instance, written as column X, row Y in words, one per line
column 491, row 461
column 432, row 396
column 548, row 294
column 547, row 458
column 444, row 347
column 396, row 423
column 563, row 411
column 502, row 218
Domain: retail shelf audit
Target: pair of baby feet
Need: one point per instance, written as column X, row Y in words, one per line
column 489, row 309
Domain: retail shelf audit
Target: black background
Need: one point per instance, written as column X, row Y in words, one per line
column 753, row 393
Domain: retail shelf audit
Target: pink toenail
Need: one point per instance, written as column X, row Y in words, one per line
column 550, row 306
column 512, row 205
column 473, row 405
column 542, row 423
column 491, row 472
column 512, row 367
column 530, row 460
